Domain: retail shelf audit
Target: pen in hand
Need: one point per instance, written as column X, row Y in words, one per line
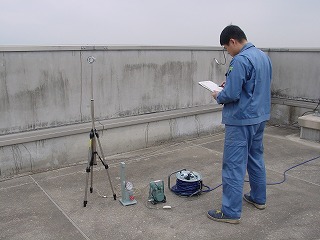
column 222, row 84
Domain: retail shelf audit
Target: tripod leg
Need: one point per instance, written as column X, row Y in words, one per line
column 91, row 180
column 93, row 161
column 104, row 164
column 85, row 201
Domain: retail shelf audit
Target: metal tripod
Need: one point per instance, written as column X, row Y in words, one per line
column 92, row 153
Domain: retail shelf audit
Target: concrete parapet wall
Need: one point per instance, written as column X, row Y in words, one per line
column 142, row 96
column 45, row 101
column 295, row 84
column 296, row 73
column 43, row 89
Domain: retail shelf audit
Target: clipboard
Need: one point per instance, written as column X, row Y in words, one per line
column 211, row 86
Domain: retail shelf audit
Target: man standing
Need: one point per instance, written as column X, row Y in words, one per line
column 247, row 101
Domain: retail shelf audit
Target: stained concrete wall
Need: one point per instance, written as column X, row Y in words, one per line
column 295, row 84
column 142, row 95
column 50, row 88
column 296, row 73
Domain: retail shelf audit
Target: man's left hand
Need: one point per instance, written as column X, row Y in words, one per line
column 215, row 94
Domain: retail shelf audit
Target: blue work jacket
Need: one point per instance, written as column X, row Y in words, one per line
column 247, row 92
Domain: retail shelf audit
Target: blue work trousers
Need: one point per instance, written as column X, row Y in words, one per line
column 243, row 149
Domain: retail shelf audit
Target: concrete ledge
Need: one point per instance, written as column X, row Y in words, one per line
column 53, row 148
column 310, row 121
column 104, row 48
column 310, row 127
column 294, row 102
column 285, row 111
column 12, row 139
column 39, row 48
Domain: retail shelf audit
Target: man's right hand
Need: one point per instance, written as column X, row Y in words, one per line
column 222, row 84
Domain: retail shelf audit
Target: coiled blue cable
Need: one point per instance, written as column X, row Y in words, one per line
column 188, row 189
column 183, row 188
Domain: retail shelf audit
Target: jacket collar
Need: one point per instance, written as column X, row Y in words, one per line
column 247, row 46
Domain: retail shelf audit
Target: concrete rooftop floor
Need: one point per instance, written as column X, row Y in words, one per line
column 49, row 205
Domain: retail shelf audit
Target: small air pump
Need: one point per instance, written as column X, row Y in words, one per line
column 156, row 192
column 127, row 197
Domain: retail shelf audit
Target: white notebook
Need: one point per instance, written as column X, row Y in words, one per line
column 211, row 86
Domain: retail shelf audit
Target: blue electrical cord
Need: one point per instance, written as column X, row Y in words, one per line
column 284, row 173
column 189, row 189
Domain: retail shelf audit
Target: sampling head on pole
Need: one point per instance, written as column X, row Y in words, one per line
column 91, row 59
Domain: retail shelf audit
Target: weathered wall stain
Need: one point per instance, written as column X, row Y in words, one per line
column 52, row 88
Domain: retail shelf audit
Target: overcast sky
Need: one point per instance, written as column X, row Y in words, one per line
column 267, row 23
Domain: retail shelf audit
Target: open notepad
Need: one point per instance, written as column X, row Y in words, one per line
column 211, row 86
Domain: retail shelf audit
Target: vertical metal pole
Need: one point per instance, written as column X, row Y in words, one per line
column 92, row 148
column 93, row 140
column 92, row 100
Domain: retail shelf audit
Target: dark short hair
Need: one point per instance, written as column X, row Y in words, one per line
column 229, row 32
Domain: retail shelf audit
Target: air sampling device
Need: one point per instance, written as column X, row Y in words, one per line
column 156, row 192
column 127, row 196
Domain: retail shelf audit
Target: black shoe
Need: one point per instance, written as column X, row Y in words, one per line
column 248, row 199
column 217, row 215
